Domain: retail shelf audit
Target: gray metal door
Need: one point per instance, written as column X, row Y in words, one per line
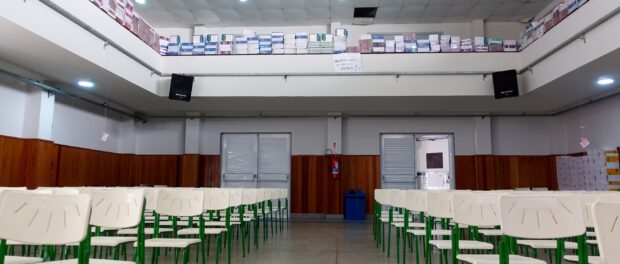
column 239, row 162
column 398, row 161
column 274, row 160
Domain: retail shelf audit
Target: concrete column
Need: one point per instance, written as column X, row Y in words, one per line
column 482, row 136
column 192, row 136
column 477, row 28
column 334, row 134
column 39, row 116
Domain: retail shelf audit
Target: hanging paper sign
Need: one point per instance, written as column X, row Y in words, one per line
column 584, row 142
column 348, row 62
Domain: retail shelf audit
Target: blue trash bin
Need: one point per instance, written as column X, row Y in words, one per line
column 355, row 205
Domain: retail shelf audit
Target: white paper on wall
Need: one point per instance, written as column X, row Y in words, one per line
column 347, row 62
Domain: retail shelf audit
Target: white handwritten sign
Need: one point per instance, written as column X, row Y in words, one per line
column 348, row 62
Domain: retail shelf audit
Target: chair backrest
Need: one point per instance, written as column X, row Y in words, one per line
column 274, row 194
column 416, row 200
column 539, row 216
column 476, row 208
column 540, row 189
column 57, row 190
column 236, row 197
column 249, row 196
column 381, row 196
column 606, row 218
column 397, row 198
column 589, row 198
column 261, row 195
column 150, row 194
column 216, row 199
column 116, row 208
column 283, row 193
column 523, row 189
column 439, row 204
column 44, row 219
column 179, row 202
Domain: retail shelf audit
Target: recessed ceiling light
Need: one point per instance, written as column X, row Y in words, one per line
column 605, row 81
column 141, row 2
column 86, row 84
column 243, row 1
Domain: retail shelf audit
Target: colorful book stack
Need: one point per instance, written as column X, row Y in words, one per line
column 277, row 42
column 480, row 45
column 444, row 43
column 241, row 45
column 411, row 44
column 378, row 43
column 128, row 20
column 198, row 42
column 340, row 40
column 424, row 45
column 433, row 40
column 120, row 11
column 314, row 43
column 211, row 43
column 289, row 43
column 174, row 47
column 264, row 44
column 496, row 45
column 301, row 42
column 225, row 46
column 327, row 43
column 455, row 44
column 187, row 48
column 163, row 45
column 365, row 43
column 399, row 43
column 253, row 46
column 390, row 46
column 466, row 45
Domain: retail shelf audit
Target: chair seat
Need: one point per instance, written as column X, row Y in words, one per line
column 196, row 231
column 169, row 223
column 591, row 234
column 491, row 232
column 463, row 244
column 494, row 259
column 546, row 244
column 92, row 261
column 592, row 242
column 147, row 231
column 435, row 232
column 591, row 259
column 21, row 260
column 104, row 241
column 169, row 242
column 411, row 225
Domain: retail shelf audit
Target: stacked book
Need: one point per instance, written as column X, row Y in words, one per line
column 198, row 43
column 365, row 43
column 241, row 45
column 444, row 43
column 378, row 43
column 163, row 45
column 399, row 43
column 480, row 45
column 226, row 45
column 510, row 45
column 174, row 47
column 264, row 44
column 301, row 42
column 496, row 45
column 433, row 40
column 187, row 48
column 467, row 45
column 424, row 45
column 253, row 45
column 455, row 44
column 211, row 42
column 290, row 43
column 340, row 40
column 411, row 44
column 277, row 42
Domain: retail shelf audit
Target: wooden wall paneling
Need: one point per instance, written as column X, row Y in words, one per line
column 465, row 173
column 125, row 171
column 41, row 163
column 362, row 172
column 12, row 161
column 296, row 200
column 84, row 167
column 209, row 171
column 312, row 188
column 155, row 169
column 332, row 190
column 188, row 170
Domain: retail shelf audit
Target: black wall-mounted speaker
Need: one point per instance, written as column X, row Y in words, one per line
column 505, row 84
column 181, row 87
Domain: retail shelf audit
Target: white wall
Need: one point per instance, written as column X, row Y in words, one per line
column 308, row 134
column 79, row 124
column 602, row 126
column 13, row 100
column 160, row 136
column 521, row 135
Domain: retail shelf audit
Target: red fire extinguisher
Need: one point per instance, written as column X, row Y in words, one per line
column 334, row 165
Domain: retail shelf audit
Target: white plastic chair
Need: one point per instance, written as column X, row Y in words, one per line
column 150, row 196
column 42, row 219
column 534, row 216
column 606, row 218
column 175, row 203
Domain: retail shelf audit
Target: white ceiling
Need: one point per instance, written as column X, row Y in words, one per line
column 187, row 13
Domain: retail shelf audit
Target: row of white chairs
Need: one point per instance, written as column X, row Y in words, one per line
column 50, row 217
column 510, row 223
